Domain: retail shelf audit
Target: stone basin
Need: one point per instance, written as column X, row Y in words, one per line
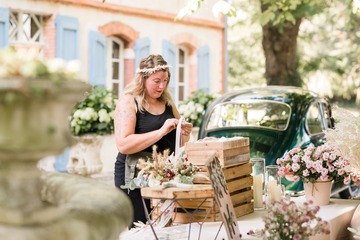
column 36, row 205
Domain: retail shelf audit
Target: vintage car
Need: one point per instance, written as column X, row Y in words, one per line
column 275, row 118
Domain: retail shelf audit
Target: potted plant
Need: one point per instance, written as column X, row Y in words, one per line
column 94, row 115
column 36, row 97
column 317, row 167
column 90, row 120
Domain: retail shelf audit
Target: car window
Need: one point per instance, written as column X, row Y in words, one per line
column 255, row 113
column 314, row 121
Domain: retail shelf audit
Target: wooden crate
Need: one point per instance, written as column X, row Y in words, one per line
column 231, row 151
column 239, row 182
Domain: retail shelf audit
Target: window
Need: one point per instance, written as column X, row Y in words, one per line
column 26, row 30
column 314, row 123
column 115, row 80
column 259, row 114
column 182, row 69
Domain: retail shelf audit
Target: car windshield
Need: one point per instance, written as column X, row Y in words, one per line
column 250, row 113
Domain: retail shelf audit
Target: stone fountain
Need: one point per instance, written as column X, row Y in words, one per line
column 36, row 205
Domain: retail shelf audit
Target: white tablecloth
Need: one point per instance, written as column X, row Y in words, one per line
column 338, row 213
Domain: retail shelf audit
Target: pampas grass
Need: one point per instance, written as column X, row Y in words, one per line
column 346, row 137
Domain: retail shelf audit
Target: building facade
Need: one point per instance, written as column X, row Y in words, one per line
column 110, row 39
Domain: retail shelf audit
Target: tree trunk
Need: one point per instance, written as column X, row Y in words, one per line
column 280, row 53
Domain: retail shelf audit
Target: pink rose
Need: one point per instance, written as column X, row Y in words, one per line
column 295, row 167
column 324, row 177
column 306, row 173
column 333, row 156
column 325, row 155
column 296, row 178
column 347, row 180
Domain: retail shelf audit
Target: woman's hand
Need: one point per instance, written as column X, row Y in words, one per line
column 169, row 125
column 186, row 128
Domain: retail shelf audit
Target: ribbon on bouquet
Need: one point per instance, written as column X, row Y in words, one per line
column 178, row 137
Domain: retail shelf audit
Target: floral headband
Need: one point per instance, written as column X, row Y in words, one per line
column 152, row 70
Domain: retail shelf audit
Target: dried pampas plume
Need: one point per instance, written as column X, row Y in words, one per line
column 346, row 136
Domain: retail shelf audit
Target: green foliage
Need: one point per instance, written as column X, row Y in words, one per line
column 94, row 114
column 277, row 13
column 246, row 58
column 328, row 49
column 193, row 108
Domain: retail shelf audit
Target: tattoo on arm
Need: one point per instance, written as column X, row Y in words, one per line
column 124, row 116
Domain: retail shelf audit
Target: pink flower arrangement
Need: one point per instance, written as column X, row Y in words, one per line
column 289, row 220
column 317, row 163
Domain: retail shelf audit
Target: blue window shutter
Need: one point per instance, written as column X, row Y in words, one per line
column 97, row 59
column 4, row 27
column 67, row 37
column 169, row 54
column 203, row 73
column 67, row 48
column 141, row 49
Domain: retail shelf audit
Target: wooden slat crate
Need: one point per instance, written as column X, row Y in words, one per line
column 239, row 182
column 232, row 151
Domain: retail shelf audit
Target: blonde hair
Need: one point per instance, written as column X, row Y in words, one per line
column 148, row 66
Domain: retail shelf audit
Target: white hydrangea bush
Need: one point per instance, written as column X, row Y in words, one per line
column 194, row 107
column 95, row 114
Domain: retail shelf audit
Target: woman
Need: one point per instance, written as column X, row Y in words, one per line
column 146, row 116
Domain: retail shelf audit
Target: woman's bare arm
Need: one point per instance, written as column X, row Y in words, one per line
column 126, row 140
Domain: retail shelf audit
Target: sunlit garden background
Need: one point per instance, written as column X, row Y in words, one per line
column 327, row 51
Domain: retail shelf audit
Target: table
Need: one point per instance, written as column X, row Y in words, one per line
column 338, row 213
column 175, row 195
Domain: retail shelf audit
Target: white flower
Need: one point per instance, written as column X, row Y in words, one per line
column 73, row 68
column 108, row 101
column 104, row 116
column 111, row 114
column 199, row 108
column 28, row 64
column 29, row 69
column 193, row 116
column 182, row 108
column 73, row 122
column 88, row 114
column 55, row 65
column 77, row 113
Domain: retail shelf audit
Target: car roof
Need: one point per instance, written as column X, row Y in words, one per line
column 284, row 94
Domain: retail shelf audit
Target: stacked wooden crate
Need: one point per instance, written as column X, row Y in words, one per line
column 234, row 156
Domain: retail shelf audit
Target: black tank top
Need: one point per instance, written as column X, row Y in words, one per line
column 147, row 122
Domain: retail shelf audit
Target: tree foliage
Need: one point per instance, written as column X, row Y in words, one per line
column 278, row 13
column 327, row 45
